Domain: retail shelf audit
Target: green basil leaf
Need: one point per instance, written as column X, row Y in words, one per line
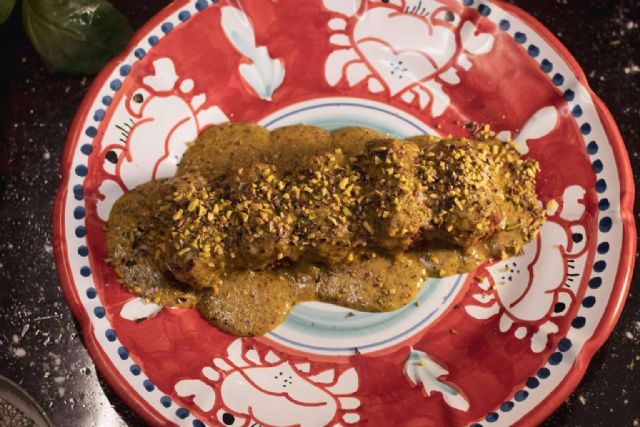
column 6, row 6
column 75, row 36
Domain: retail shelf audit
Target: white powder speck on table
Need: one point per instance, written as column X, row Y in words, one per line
column 632, row 69
column 19, row 352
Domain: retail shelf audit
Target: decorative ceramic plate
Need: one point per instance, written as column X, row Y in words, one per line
column 502, row 345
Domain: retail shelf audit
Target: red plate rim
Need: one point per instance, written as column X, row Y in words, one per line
column 538, row 413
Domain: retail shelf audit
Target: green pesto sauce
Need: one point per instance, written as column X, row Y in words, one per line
column 247, row 303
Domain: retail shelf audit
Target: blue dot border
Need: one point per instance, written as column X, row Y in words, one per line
column 81, row 171
column 605, row 223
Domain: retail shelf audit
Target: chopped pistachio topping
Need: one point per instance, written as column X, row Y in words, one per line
column 334, row 209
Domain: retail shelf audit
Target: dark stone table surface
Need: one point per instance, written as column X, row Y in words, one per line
column 40, row 344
